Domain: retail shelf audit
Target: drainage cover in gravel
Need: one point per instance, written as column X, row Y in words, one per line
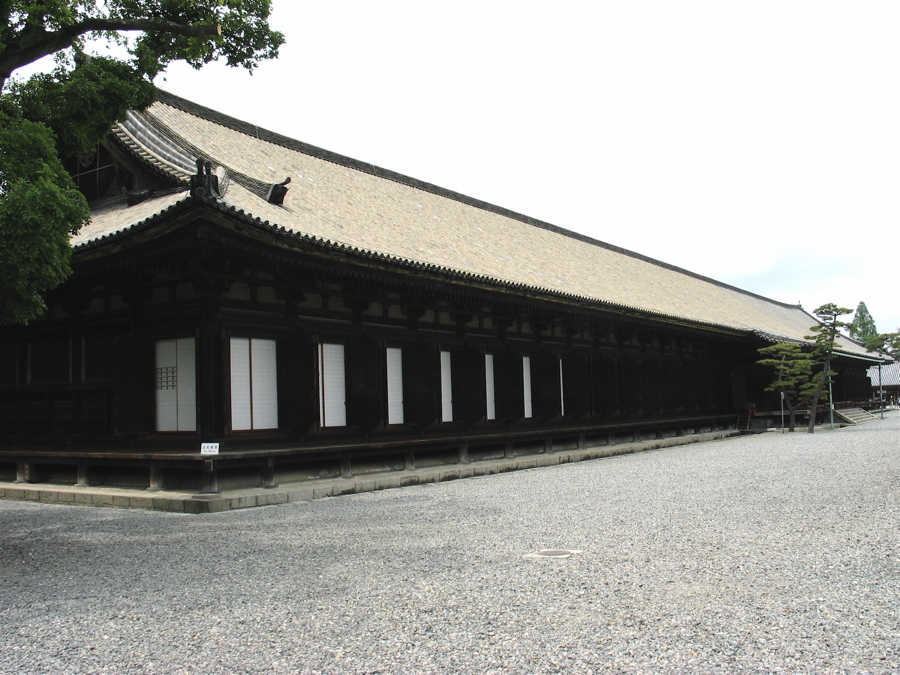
column 552, row 553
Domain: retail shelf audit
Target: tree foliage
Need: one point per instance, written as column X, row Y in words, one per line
column 194, row 31
column 793, row 364
column 40, row 208
column 863, row 325
column 824, row 343
column 67, row 112
column 885, row 343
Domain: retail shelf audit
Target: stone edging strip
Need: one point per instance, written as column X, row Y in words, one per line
column 304, row 491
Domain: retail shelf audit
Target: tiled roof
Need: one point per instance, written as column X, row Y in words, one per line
column 114, row 216
column 338, row 200
column 890, row 375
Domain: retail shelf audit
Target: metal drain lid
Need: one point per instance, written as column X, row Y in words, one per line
column 553, row 553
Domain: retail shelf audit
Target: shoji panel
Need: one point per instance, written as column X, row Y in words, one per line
column 264, row 384
column 176, row 385
column 526, row 387
column 332, row 386
column 446, row 388
column 490, row 402
column 394, row 365
column 241, row 407
column 254, row 384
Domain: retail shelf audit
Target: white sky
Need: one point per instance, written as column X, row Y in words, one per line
column 756, row 142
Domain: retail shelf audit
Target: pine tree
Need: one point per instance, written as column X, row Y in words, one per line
column 825, row 338
column 793, row 364
column 885, row 343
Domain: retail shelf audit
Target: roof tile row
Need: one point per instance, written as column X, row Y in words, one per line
column 336, row 199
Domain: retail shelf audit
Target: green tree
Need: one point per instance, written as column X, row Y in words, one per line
column 40, row 209
column 885, row 343
column 67, row 112
column 793, row 364
column 824, row 344
column 863, row 325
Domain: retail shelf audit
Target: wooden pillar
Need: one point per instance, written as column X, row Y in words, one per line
column 464, row 452
column 409, row 460
column 346, row 469
column 25, row 472
column 83, row 475
column 212, row 357
column 210, row 478
column 156, row 477
column 268, row 473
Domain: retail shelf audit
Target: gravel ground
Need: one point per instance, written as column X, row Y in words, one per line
column 766, row 553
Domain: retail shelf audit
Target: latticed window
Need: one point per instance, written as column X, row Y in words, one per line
column 167, row 377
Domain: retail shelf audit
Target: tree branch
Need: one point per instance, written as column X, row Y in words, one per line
column 37, row 43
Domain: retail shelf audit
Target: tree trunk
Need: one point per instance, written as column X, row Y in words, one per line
column 792, row 409
column 815, row 399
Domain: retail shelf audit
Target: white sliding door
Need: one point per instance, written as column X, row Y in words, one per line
column 395, row 385
column 254, row 384
column 264, row 383
column 489, row 386
column 562, row 391
column 176, row 385
column 526, row 384
column 332, row 386
column 241, row 406
column 446, row 389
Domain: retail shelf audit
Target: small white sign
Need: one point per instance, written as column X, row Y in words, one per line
column 209, row 448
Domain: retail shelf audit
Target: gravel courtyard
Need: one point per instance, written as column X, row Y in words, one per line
column 767, row 553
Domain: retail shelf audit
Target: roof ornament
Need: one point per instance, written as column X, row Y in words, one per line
column 277, row 191
column 205, row 184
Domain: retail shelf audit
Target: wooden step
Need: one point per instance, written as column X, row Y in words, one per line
column 855, row 415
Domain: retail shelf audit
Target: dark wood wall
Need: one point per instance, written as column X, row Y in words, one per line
column 86, row 372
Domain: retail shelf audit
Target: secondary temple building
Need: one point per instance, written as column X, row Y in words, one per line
column 319, row 316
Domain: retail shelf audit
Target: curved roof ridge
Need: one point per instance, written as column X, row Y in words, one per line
column 146, row 125
column 275, row 138
column 155, row 146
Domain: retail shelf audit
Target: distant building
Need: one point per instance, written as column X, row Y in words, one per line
column 886, row 380
column 320, row 316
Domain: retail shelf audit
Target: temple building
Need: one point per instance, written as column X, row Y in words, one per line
column 886, row 383
column 317, row 316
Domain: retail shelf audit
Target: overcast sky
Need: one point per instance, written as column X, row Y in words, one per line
column 756, row 142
